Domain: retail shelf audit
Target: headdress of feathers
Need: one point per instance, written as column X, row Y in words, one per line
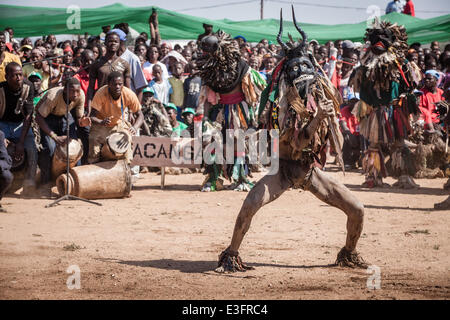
column 221, row 67
column 385, row 55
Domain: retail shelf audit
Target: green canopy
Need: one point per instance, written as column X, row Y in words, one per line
column 38, row 21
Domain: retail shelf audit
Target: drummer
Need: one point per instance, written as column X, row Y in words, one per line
column 110, row 106
column 51, row 118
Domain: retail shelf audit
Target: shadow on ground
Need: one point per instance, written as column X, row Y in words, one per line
column 187, row 266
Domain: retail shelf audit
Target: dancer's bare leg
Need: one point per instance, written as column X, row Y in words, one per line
column 269, row 188
column 338, row 195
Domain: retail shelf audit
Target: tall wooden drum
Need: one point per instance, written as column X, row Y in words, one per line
column 59, row 162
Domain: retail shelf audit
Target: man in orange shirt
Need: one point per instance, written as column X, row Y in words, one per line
column 108, row 114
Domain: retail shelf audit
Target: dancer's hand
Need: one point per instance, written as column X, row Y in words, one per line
column 326, row 108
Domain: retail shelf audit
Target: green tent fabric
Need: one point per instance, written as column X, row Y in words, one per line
column 38, row 21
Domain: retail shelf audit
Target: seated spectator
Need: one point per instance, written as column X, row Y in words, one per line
column 16, row 110
column 156, row 120
column 36, row 79
column 6, row 177
column 177, row 126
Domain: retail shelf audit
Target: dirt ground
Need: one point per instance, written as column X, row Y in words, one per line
column 164, row 244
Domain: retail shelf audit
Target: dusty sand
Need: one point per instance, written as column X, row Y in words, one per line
column 164, row 245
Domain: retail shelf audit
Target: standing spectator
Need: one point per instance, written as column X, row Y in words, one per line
column 105, row 30
column 41, row 67
column 208, row 31
column 409, row 8
column 51, row 40
column 6, row 57
column 176, row 82
column 25, row 53
column 16, row 109
column 140, row 49
column 192, row 87
column 350, row 130
column 153, row 55
column 161, row 86
column 87, row 59
column 165, row 49
column 10, row 35
column 138, row 82
column 394, row 6
column 108, row 63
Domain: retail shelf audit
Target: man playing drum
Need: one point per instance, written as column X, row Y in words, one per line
column 110, row 106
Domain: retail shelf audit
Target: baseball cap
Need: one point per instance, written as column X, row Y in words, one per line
column 189, row 110
column 147, row 89
column 35, row 74
column 170, row 105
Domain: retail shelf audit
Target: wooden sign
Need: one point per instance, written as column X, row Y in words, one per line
column 165, row 152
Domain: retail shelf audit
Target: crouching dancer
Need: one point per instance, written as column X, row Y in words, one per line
column 303, row 109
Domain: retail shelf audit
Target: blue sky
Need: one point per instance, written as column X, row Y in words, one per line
column 306, row 11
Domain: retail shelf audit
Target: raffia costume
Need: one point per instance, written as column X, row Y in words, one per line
column 228, row 100
column 302, row 105
column 385, row 82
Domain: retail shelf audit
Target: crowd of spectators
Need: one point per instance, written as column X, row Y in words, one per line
column 164, row 78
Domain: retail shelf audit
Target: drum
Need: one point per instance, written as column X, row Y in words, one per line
column 59, row 161
column 102, row 180
column 116, row 146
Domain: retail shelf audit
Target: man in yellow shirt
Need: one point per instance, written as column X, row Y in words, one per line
column 41, row 67
column 6, row 57
column 109, row 111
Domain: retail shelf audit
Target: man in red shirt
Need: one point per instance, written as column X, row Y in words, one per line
column 87, row 59
column 409, row 8
column 431, row 95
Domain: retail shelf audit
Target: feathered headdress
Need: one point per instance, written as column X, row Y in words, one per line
column 221, row 68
